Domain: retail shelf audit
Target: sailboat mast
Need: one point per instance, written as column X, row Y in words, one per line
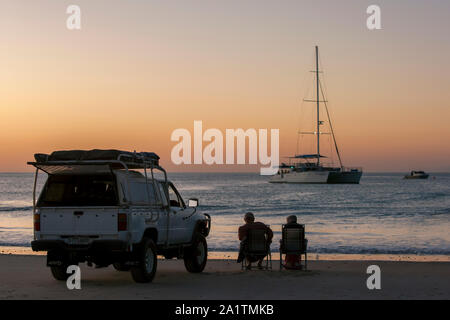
column 317, row 99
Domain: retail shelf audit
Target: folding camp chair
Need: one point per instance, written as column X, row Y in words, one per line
column 256, row 246
column 293, row 242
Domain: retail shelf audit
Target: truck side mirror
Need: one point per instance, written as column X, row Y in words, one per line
column 193, row 203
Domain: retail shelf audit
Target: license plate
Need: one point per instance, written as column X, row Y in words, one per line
column 78, row 240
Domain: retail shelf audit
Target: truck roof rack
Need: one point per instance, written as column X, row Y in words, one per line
column 114, row 158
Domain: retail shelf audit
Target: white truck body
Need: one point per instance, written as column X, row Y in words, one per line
column 89, row 211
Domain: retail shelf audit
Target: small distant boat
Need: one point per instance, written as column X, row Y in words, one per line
column 417, row 175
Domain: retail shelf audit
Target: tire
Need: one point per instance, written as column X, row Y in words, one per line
column 119, row 266
column 60, row 272
column 196, row 256
column 146, row 255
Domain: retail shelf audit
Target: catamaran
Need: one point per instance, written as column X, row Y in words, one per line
column 309, row 168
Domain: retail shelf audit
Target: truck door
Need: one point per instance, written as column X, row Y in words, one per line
column 178, row 213
column 163, row 221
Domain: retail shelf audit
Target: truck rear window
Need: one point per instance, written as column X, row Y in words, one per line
column 79, row 190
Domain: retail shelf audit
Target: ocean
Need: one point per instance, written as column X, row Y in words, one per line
column 383, row 215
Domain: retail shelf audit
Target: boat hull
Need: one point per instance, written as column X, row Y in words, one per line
column 346, row 177
column 318, row 177
column 417, row 177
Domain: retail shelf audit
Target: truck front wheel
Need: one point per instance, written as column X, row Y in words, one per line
column 146, row 256
column 195, row 257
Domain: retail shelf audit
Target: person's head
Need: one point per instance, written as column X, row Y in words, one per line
column 291, row 219
column 249, row 217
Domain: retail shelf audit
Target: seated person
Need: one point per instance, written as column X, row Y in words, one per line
column 293, row 261
column 250, row 223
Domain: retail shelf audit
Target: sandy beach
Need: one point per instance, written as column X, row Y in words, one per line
column 27, row 277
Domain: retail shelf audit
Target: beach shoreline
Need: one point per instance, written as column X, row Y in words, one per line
column 232, row 255
column 27, row 277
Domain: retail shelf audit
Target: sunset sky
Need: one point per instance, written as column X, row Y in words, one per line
column 137, row 70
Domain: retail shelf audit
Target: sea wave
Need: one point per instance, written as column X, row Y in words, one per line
column 312, row 250
column 14, row 228
column 12, row 209
column 13, row 244
column 365, row 250
column 354, row 250
column 442, row 211
column 425, row 196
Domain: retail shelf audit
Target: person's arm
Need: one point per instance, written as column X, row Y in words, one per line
column 269, row 233
column 242, row 233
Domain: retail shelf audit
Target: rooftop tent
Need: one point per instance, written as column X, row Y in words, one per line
column 97, row 155
column 72, row 160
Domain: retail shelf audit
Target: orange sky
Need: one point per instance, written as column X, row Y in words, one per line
column 137, row 71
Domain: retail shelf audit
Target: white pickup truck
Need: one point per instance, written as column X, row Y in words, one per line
column 97, row 207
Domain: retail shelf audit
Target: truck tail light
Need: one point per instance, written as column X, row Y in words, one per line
column 37, row 222
column 122, row 222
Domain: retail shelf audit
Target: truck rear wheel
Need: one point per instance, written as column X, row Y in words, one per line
column 196, row 256
column 59, row 269
column 60, row 272
column 146, row 255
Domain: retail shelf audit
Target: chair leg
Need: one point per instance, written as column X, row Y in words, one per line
column 306, row 261
column 281, row 259
column 270, row 261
